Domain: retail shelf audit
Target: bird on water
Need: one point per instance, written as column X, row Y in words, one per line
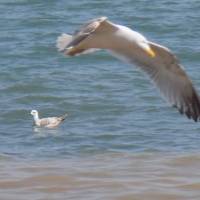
column 49, row 122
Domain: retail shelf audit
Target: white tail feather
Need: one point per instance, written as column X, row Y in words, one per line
column 62, row 41
column 63, row 117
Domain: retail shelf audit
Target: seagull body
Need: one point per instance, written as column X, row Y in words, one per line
column 157, row 61
column 49, row 122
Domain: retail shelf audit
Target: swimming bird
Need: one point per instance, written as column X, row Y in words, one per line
column 49, row 122
column 157, row 61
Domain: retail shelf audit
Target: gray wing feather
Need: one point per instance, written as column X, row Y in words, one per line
column 173, row 83
column 44, row 122
column 86, row 30
column 169, row 77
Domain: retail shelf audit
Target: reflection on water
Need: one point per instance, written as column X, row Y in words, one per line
column 107, row 176
column 45, row 132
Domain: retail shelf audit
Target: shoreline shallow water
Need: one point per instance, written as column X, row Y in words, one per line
column 113, row 176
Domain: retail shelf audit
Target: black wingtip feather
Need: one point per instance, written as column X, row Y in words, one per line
column 193, row 107
column 196, row 106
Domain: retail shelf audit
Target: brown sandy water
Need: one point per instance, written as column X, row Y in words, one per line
column 108, row 176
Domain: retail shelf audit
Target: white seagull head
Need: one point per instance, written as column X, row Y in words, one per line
column 34, row 112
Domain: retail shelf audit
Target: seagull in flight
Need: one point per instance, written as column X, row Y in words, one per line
column 157, row 61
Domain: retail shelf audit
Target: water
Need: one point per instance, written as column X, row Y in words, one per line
column 114, row 113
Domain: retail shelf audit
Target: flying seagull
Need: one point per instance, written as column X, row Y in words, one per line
column 49, row 122
column 157, row 61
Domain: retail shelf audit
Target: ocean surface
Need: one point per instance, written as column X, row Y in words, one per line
column 121, row 140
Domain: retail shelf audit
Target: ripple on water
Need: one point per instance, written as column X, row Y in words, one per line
column 113, row 176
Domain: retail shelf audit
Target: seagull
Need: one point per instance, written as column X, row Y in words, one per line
column 49, row 122
column 157, row 61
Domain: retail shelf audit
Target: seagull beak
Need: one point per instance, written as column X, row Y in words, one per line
column 150, row 52
column 147, row 48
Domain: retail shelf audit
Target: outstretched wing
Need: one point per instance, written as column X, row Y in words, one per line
column 168, row 75
column 87, row 29
column 69, row 44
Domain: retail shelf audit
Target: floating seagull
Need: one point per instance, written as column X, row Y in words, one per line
column 157, row 61
column 49, row 122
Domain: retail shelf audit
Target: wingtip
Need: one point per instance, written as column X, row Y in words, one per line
column 196, row 107
column 192, row 108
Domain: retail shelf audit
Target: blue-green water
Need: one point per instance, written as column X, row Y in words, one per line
column 112, row 107
column 121, row 139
